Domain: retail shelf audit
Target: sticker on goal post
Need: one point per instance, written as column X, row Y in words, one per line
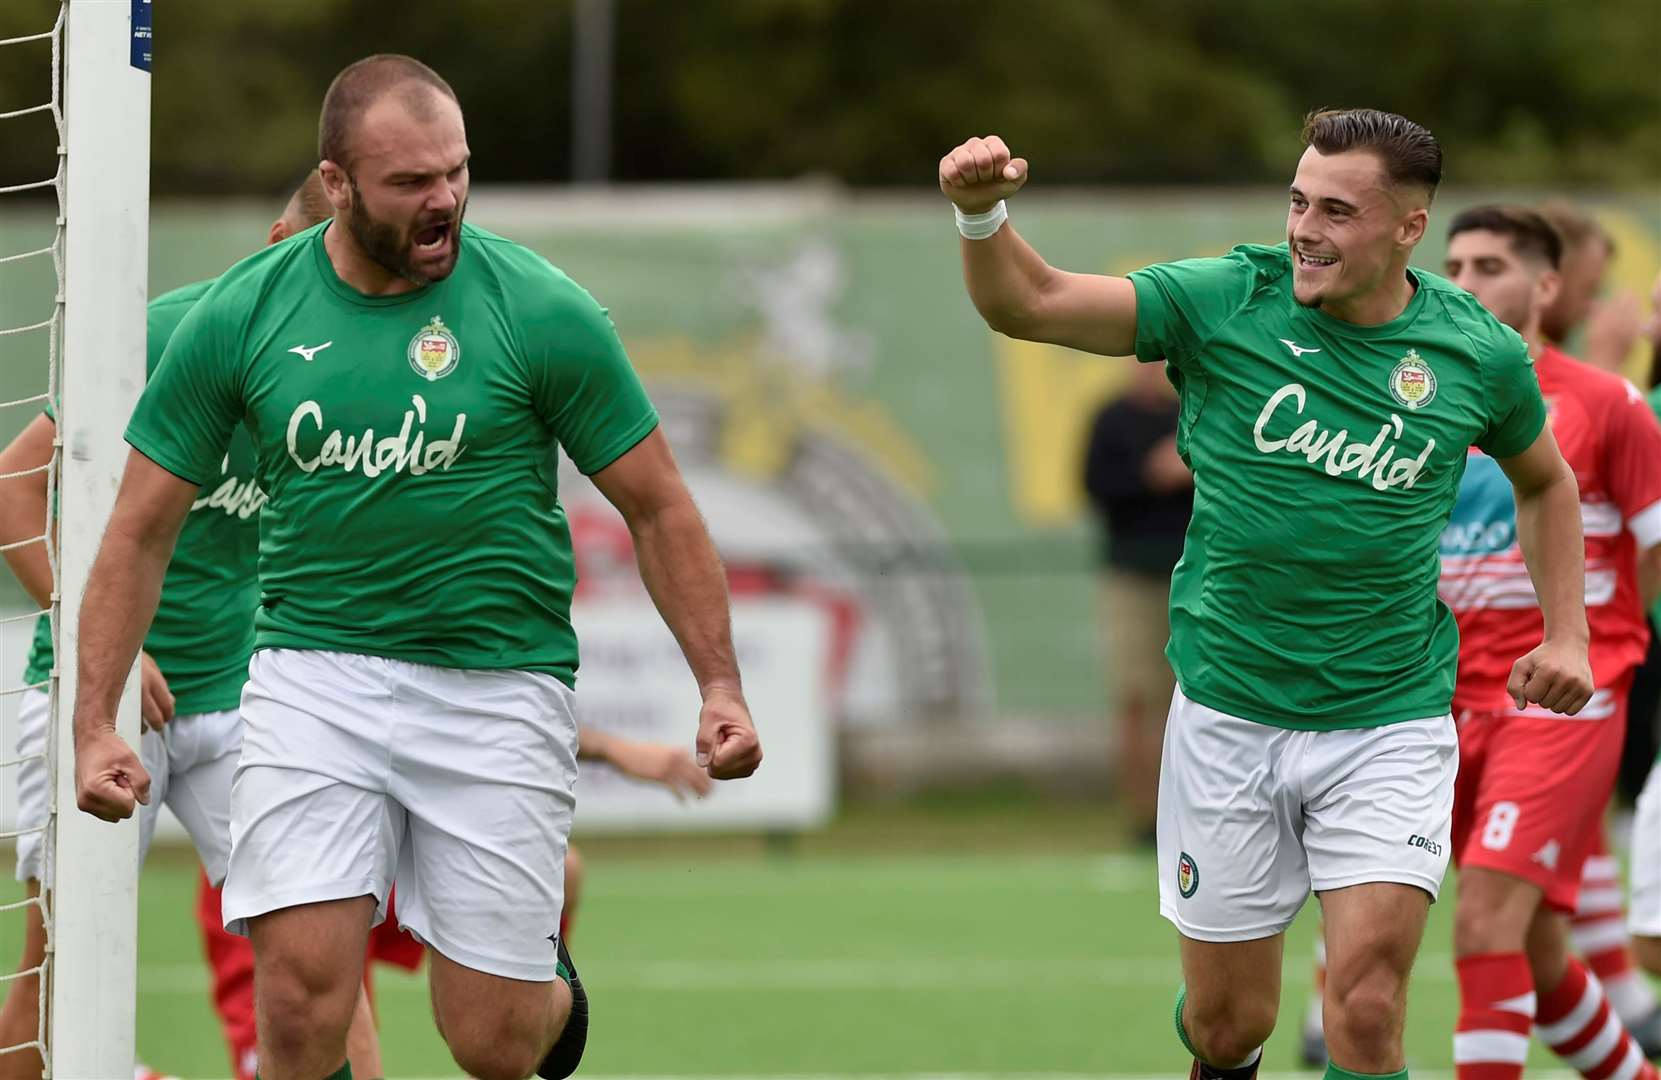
column 142, row 34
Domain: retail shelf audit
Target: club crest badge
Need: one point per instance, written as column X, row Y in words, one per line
column 1412, row 383
column 1188, row 875
column 434, row 350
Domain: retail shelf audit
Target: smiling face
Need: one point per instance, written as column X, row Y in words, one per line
column 404, row 194
column 1350, row 232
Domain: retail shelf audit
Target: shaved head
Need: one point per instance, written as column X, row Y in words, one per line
column 308, row 205
column 362, row 84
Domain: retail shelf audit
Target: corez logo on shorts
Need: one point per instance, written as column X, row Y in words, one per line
column 1188, row 875
column 1412, row 382
column 434, row 351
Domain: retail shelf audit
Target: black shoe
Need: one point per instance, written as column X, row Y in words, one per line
column 563, row 1058
column 1202, row 1071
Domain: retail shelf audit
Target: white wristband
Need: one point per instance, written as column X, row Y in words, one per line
column 980, row 226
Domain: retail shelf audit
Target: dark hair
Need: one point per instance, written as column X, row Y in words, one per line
column 361, row 84
column 1410, row 153
column 1530, row 233
column 1575, row 226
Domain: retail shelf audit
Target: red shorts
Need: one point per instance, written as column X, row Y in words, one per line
column 1532, row 790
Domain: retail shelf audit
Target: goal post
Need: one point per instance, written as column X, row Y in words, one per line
column 106, row 193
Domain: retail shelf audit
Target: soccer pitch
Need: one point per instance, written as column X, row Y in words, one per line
column 970, row 942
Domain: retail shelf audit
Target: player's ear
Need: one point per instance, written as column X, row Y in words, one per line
column 1412, row 227
column 337, row 184
column 277, row 233
column 1547, row 287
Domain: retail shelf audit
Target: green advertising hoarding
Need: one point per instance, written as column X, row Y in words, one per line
column 818, row 361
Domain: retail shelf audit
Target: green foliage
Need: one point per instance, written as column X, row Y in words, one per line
column 872, row 92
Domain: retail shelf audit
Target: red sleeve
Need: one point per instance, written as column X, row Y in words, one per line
column 1632, row 462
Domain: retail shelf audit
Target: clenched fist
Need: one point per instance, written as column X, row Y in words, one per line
column 110, row 780
column 979, row 173
column 1554, row 676
column 727, row 746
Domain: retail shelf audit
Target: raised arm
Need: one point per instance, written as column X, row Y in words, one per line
column 1556, row 674
column 1013, row 288
column 684, row 576
column 121, row 596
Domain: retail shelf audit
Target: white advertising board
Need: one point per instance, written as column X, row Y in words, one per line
column 634, row 682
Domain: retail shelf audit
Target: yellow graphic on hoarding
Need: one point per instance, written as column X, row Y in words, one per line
column 769, row 403
column 1049, row 396
column 1633, row 269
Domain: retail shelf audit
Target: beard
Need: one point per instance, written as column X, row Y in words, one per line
column 392, row 246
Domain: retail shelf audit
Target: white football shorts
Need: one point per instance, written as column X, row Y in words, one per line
column 360, row 770
column 1252, row 818
column 190, row 761
column 1644, row 912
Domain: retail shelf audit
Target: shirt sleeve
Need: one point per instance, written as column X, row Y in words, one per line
column 1180, row 305
column 585, row 389
column 184, row 418
column 1516, row 411
column 1632, row 453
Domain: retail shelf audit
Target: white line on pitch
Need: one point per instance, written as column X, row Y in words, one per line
column 811, row 976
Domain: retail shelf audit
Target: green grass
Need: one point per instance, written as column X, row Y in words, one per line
column 994, row 937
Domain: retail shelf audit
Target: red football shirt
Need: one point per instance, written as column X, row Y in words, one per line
column 1613, row 443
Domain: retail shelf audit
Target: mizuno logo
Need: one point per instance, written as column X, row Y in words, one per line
column 1297, row 350
column 306, row 354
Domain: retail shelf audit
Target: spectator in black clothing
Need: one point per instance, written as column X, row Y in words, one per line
column 1143, row 494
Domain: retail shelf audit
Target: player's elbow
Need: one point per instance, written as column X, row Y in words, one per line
column 1546, row 484
column 1014, row 320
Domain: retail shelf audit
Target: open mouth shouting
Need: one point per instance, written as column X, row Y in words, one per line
column 434, row 241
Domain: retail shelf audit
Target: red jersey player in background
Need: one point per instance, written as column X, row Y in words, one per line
column 1533, row 786
column 1609, row 325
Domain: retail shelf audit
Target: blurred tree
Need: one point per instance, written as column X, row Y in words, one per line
column 874, row 91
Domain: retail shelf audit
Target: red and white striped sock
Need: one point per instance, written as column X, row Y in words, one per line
column 1575, row 1020
column 1496, row 1010
column 1598, row 932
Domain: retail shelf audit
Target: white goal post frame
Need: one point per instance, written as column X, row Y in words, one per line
column 94, row 903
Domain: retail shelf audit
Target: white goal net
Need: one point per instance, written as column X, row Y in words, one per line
column 94, row 78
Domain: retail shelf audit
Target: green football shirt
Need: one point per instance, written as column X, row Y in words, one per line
column 406, row 446
column 203, row 632
column 1326, row 458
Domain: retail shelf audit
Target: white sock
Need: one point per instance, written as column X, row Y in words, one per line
column 1631, row 997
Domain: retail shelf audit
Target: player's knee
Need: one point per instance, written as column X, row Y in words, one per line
column 1475, row 932
column 1367, row 1015
column 497, row 1054
column 302, row 1005
column 1491, row 916
column 1225, row 1031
